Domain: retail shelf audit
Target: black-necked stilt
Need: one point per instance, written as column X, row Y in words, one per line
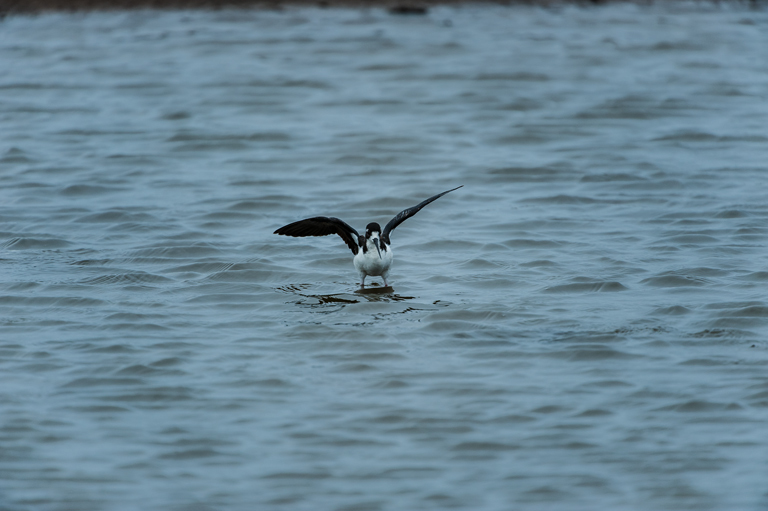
column 367, row 261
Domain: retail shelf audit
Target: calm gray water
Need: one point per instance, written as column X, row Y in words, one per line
column 582, row 326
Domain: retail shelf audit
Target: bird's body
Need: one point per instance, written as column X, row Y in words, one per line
column 373, row 252
column 370, row 262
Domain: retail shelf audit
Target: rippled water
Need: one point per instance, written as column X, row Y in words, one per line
column 582, row 326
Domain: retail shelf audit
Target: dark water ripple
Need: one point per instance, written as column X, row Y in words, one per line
column 582, row 326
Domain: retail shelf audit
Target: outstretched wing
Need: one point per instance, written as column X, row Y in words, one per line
column 408, row 213
column 322, row 226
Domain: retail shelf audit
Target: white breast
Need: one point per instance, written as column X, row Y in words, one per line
column 369, row 263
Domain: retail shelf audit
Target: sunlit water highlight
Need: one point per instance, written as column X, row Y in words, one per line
column 582, row 326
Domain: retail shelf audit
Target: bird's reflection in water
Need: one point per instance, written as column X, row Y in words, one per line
column 374, row 289
column 382, row 294
column 374, row 293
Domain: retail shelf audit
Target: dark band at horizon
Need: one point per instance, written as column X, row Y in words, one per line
column 399, row 7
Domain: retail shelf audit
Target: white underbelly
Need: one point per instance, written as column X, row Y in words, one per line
column 370, row 263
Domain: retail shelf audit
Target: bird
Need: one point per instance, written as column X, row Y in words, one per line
column 373, row 251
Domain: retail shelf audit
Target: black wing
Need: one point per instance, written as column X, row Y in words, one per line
column 322, row 226
column 408, row 213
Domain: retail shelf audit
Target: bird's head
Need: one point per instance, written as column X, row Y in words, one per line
column 373, row 233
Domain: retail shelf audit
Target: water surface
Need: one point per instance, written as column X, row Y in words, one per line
column 582, row 326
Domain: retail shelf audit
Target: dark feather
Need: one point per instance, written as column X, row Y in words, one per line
column 322, row 226
column 408, row 213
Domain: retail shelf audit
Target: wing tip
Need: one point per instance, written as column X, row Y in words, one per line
column 284, row 231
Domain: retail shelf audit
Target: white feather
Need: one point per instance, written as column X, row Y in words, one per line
column 368, row 263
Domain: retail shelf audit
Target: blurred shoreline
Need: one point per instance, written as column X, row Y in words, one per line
column 404, row 7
